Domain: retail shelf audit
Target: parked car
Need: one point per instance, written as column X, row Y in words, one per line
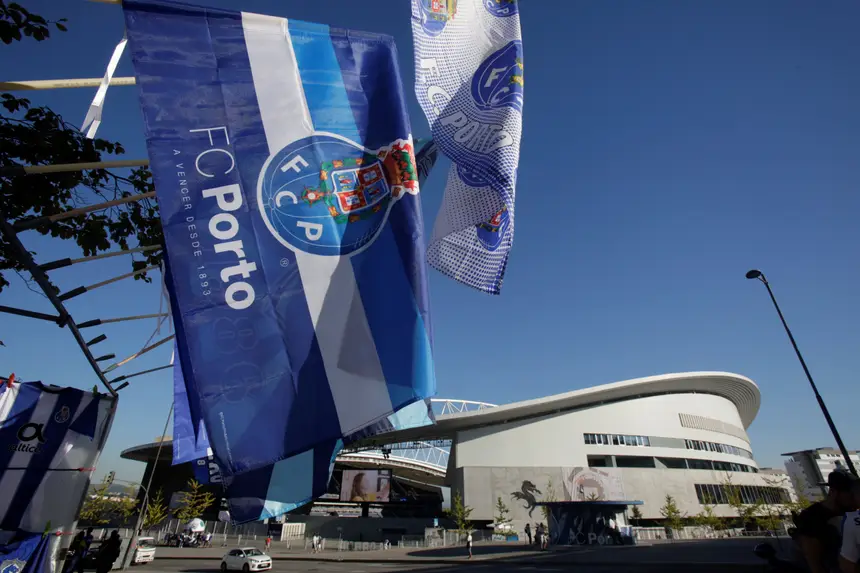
column 145, row 550
column 246, row 559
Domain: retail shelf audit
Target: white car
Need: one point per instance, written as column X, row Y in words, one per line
column 145, row 550
column 246, row 559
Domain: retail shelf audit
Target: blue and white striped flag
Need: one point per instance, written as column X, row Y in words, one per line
column 469, row 82
column 50, row 439
column 283, row 163
column 23, row 551
column 190, row 439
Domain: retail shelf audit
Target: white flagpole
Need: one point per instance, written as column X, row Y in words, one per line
column 66, row 167
column 93, row 118
column 28, row 85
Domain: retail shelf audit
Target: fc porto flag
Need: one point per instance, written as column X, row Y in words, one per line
column 285, row 172
column 190, row 440
column 290, row 483
column 50, row 439
column 469, row 82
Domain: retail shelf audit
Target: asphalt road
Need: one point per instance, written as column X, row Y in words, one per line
column 703, row 556
column 596, row 562
column 186, row 566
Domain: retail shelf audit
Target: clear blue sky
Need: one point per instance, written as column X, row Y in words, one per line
column 668, row 147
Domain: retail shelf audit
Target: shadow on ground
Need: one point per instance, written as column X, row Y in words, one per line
column 477, row 551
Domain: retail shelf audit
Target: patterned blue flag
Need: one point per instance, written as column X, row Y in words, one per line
column 469, row 82
column 50, row 440
column 288, row 193
column 190, row 440
column 15, row 556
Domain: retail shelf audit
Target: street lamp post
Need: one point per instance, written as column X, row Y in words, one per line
column 756, row 274
column 129, row 550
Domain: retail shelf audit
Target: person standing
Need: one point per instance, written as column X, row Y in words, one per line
column 614, row 533
column 108, row 553
column 819, row 526
column 268, row 543
column 84, row 549
column 529, row 534
column 74, row 552
column 469, row 543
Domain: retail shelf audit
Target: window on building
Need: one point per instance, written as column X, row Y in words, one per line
column 717, row 494
column 615, row 440
column 674, row 463
column 634, row 462
column 718, row 448
column 694, row 464
column 597, row 461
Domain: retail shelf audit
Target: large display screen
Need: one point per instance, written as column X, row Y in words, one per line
column 365, row 486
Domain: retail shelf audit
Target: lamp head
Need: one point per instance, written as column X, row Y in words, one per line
column 754, row 274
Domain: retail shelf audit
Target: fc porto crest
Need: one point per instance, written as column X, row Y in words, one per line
column 435, row 14
column 501, row 8
column 327, row 195
column 498, row 81
column 12, row 566
column 63, row 415
column 491, row 232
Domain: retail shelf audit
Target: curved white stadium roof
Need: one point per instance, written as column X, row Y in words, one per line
column 740, row 390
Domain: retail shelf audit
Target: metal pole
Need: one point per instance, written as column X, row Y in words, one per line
column 28, row 85
column 17, row 248
column 70, row 167
column 27, row 224
column 129, row 551
column 818, row 397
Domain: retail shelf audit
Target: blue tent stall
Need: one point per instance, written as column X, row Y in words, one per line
column 587, row 522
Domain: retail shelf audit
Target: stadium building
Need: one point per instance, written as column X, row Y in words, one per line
column 640, row 440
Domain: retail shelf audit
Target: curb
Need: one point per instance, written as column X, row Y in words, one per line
column 699, row 566
column 394, row 560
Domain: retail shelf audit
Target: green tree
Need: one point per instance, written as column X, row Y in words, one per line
column 707, row 518
column 156, row 510
column 501, row 517
column 103, row 507
column 16, row 23
column 803, row 500
column 769, row 519
column 460, row 513
column 636, row 515
column 672, row 516
column 747, row 512
column 773, row 514
column 550, row 495
column 32, row 136
column 193, row 502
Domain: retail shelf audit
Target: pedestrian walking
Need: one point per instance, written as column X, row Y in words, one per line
column 268, row 543
column 108, row 553
column 469, row 543
column 529, row 534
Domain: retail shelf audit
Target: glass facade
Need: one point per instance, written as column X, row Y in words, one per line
column 718, row 448
column 716, row 494
column 699, row 445
column 616, row 440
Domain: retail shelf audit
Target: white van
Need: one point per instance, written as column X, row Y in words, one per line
column 145, row 550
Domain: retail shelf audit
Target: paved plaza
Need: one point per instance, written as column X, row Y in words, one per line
column 703, row 556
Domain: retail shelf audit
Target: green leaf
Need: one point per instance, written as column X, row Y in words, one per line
column 39, row 136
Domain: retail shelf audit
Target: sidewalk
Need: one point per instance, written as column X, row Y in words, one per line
column 510, row 553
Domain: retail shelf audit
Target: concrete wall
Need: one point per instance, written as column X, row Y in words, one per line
column 483, row 486
column 497, row 461
column 357, row 529
column 557, row 440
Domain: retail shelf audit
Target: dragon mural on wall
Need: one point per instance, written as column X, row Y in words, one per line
column 527, row 494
